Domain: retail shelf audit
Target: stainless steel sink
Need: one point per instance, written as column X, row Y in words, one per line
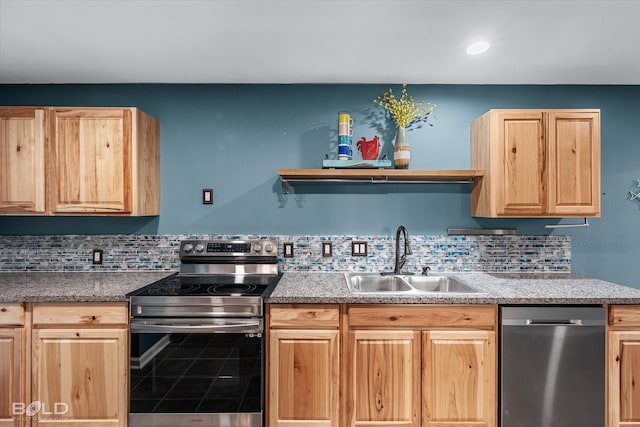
column 437, row 284
column 376, row 283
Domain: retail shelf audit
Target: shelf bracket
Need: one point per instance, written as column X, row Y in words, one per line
column 285, row 186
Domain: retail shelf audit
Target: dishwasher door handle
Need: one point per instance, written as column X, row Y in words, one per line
column 552, row 322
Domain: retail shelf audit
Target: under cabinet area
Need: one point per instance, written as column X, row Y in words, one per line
column 393, row 365
column 79, row 161
column 537, row 163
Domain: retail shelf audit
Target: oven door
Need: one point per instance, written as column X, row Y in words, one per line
column 196, row 372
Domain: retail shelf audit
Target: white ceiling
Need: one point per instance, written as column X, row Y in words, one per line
column 319, row 41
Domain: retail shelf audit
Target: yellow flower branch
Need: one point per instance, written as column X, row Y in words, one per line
column 404, row 110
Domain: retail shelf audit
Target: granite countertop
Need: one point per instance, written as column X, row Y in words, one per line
column 73, row 286
column 493, row 288
column 304, row 287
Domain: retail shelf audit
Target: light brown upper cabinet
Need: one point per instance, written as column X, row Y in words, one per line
column 22, row 178
column 79, row 161
column 103, row 160
column 537, row 163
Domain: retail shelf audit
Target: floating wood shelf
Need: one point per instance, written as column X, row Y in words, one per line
column 378, row 176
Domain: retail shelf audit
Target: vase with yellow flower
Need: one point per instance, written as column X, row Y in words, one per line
column 406, row 112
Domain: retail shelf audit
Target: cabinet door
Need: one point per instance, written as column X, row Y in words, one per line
column 623, row 364
column 91, row 160
column 574, row 163
column 84, row 369
column 459, row 379
column 304, row 371
column 519, row 149
column 12, row 377
column 22, row 173
column 383, row 378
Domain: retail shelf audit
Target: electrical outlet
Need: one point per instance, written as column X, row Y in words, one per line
column 327, row 249
column 207, row 196
column 97, row 256
column 288, row 249
column 358, row 248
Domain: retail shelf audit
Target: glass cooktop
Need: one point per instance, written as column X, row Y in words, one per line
column 209, row 285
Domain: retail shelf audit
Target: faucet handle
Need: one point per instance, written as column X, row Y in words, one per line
column 425, row 270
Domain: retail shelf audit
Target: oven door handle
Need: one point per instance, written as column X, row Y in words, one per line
column 201, row 328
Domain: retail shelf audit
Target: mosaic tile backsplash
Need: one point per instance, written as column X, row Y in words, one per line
column 160, row 253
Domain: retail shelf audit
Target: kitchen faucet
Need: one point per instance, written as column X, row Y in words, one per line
column 400, row 260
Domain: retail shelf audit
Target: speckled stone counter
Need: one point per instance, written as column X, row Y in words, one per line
column 493, row 288
column 300, row 287
column 73, row 286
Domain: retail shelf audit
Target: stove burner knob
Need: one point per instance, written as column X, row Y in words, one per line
column 199, row 248
column 257, row 248
column 187, row 248
column 269, row 248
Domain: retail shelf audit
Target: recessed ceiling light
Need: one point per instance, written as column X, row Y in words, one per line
column 477, row 48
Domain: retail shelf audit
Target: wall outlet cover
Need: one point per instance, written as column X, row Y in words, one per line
column 97, row 256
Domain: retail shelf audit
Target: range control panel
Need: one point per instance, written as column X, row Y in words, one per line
column 230, row 248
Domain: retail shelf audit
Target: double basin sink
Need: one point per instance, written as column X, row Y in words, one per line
column 402, row 284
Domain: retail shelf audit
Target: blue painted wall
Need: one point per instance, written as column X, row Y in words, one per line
column 234, row 138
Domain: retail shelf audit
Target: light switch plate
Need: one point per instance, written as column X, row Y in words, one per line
column 358, row 248
column 327, row 249
column 288, row 249
column 207, row 196
column 97, row 256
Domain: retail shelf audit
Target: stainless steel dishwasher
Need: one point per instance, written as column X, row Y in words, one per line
column 552, row 367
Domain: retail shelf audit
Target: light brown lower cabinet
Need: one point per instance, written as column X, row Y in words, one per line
column 459, row 378
column 79, row 374
column 79, row 364
column 11, row 376
column 383, row 386
column 623, row 364
column 304, row 366
column 400, row 366
column 12, row 365
column 66, row 365
column 425, row 366
column 304, row 377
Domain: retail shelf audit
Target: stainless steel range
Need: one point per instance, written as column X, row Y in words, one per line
column 197, row 338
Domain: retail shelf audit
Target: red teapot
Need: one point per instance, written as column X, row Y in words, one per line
column 370, row 149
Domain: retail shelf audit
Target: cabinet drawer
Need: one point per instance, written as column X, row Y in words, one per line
column 624, row 316
column 11, row 314
column 311, row 316
column 422, row 317
column 80, row 313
